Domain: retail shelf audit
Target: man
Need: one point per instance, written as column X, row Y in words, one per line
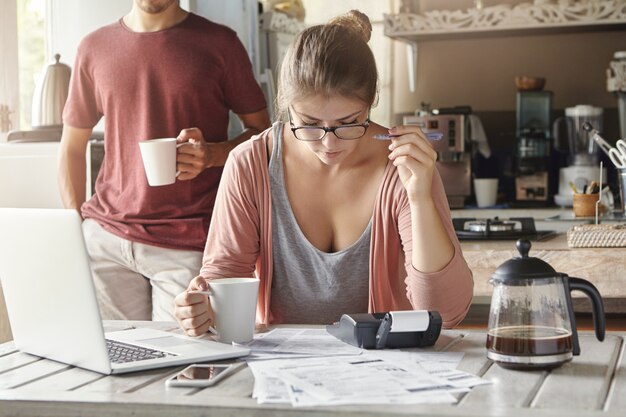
column 157, row 70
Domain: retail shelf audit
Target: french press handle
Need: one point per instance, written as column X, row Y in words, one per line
column 599, row 320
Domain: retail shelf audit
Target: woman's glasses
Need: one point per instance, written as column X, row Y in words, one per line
column 344, row 132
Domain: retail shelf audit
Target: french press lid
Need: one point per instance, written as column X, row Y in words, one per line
column 524, row 267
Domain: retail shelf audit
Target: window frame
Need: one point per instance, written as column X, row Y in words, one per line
column 9, row 64
column 9, row 69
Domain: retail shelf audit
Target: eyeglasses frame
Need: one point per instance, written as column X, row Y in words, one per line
column 332, row 129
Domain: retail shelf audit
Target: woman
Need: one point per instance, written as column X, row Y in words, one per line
column 331, row 220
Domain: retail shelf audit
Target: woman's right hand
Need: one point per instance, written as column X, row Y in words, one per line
column 193, row 309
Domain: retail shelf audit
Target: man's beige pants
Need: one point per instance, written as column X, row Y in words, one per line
column 135, row 281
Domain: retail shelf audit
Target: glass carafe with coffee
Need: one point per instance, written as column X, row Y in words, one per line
column 531, row 320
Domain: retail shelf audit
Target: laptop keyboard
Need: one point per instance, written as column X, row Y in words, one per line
column 123, row 352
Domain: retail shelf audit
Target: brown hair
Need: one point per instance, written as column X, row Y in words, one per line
column 330, row 59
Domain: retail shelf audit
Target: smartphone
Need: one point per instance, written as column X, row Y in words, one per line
column 202, row 375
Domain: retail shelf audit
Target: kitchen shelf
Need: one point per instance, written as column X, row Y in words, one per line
column 540, row 17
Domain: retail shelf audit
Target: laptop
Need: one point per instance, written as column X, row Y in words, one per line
column 52, row 306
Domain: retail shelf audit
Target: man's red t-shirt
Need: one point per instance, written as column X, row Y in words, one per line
column 153, row 85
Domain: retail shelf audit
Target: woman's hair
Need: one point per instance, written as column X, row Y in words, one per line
column 330, row 59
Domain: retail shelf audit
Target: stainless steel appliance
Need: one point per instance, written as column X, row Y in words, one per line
column 499, row 229
column 534, row 141
column 531, row 318
column 616, row 83
column 583, row 151
column 454, row 158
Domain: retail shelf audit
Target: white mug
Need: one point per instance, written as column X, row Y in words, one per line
column 233, row 301
column 486, row 190
column 159, row 160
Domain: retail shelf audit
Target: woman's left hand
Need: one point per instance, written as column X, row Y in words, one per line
column 415, row 158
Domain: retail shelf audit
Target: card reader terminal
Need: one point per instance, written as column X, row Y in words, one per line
column 399, row 329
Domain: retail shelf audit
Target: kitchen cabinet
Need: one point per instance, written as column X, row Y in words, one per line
column 28, row 173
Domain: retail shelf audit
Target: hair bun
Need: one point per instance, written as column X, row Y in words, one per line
column 355, row 21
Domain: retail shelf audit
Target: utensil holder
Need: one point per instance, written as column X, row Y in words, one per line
column 584, row 205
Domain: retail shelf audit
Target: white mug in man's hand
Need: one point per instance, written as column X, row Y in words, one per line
column 159, row 160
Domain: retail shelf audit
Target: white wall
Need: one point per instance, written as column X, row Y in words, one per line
column 71, row 20
column 321, row 11
column 240, row 15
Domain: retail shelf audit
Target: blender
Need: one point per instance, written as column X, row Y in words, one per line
column 583, row 151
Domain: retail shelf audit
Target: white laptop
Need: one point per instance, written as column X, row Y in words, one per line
column 51, row 301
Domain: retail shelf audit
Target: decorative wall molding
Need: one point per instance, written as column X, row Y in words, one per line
column 491, row 21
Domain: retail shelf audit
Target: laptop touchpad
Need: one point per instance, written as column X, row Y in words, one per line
column 167, row 341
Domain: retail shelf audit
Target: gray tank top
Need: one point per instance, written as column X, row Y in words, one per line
column 308, row 285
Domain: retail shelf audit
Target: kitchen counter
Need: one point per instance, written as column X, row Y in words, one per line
column 604, row 267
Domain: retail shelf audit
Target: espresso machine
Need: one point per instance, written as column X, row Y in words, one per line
column 534, row 142
column 454, row 156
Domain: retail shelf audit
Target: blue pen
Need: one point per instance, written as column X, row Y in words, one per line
column 429, row 135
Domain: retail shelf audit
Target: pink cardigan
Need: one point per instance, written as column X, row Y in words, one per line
column 240, row 241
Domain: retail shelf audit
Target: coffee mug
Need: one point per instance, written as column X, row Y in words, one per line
column 159, row 160
column 233, row 301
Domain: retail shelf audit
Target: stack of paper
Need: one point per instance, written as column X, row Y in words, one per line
column 309, row 367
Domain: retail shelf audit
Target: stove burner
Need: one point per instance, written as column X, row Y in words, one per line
column 496, row 229
column 491, row 225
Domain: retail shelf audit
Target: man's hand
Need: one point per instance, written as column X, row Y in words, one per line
column 194, row 154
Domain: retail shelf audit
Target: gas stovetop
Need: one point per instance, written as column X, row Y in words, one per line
column 499, row 229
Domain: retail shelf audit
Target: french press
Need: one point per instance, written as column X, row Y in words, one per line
column 531, row 319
